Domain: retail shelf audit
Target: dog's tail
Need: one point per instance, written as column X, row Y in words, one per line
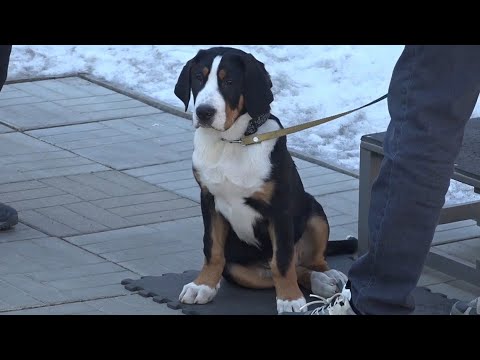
column 342, row 247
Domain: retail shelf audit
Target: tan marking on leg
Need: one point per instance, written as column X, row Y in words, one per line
column 310, row 250
column 311, row 247
column 286, row 286
column 211, row 272
column 303, row 277
column 252, row 276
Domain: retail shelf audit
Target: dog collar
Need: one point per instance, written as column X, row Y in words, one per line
column 252, row 127
column 255, row 123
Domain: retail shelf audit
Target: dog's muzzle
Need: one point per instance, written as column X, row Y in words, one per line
column 205, row 114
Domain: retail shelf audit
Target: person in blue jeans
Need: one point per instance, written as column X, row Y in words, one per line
column 8, row 215
column 432, row 94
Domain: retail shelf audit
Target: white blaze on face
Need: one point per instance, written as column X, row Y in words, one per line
column 210, row 95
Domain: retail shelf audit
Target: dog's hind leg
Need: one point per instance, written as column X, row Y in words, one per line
column 311, row 247
column 256, row 276
column 312, row 268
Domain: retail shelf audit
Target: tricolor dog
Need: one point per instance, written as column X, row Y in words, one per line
column 261, row 228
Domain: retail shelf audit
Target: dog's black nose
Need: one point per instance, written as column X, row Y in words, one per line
column 205, row 113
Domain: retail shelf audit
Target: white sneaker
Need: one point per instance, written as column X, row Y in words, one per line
column 466, row 308
column 338, row 304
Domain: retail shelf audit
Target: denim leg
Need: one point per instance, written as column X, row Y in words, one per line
column 5, row 51
column 432, row 93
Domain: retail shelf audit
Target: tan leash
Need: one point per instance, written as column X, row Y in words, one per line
column 258, row 138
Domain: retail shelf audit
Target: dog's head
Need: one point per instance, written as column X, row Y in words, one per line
column 226, row 83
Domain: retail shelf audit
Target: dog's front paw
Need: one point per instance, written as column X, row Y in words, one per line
column 197, row 294
column 284, row 306
column 340, row 278
column 322, row 284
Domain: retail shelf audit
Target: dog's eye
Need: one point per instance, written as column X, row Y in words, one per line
column 228, row 82
column 199, row 76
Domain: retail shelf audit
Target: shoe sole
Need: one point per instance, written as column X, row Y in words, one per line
column 455, row 311
column 11, row 222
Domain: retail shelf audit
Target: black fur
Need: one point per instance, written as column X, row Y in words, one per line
column 290, row 206
column 207, row 204
column 248, row 77
column 184, row 84
column 258, row 93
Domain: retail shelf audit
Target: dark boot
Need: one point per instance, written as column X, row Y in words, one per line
column 8, row 217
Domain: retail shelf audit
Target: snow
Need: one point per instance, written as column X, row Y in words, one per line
column 310, row 82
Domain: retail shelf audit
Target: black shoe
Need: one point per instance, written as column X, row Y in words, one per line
column 8, row 217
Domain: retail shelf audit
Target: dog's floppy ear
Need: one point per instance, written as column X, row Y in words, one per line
column 258, row 87
column 184, row 84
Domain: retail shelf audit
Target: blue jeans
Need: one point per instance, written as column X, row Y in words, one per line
column 432, row 94
column 5, row 51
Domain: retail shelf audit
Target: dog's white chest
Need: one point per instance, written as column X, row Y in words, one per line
column 229, row 201
column 232, row 173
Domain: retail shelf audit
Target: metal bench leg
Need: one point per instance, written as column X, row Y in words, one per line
column 465, row 211
column 370, row 163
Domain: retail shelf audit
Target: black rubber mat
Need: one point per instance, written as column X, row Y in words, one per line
column 235, row 300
